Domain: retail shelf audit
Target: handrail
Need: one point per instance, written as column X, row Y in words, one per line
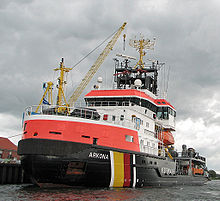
column 188, row 155
column 80, row 112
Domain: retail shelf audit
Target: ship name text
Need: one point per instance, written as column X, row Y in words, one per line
column 167, row 171
column 98, row 155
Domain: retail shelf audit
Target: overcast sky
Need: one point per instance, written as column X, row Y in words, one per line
column 34, row 35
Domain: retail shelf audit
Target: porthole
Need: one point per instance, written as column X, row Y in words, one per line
column 36, row 134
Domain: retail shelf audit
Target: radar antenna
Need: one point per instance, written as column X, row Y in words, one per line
column 141, row 45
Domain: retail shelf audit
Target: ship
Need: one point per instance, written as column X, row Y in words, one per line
column 119, row 137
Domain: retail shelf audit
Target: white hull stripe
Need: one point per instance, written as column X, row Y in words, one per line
column 134, row 172
column 112, row 169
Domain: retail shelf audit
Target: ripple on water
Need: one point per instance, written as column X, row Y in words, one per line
column 210, row 191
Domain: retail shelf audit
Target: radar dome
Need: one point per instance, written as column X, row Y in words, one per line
column 99, row 80
column 137, row 83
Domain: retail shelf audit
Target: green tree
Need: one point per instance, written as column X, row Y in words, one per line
column 212, row 173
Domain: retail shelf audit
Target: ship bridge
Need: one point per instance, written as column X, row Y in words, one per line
column 160, row 109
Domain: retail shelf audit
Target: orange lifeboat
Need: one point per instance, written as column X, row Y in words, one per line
column 167, row 137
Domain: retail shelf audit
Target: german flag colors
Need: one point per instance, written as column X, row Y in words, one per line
column 122, row 170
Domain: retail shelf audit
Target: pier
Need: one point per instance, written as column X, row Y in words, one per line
column 12, row 174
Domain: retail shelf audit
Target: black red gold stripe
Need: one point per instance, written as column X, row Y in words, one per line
column 122, row 174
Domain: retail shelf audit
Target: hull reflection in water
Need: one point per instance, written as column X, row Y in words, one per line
column 210, row 191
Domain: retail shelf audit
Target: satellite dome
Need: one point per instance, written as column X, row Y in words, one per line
column 137, row 83
column 99, row 80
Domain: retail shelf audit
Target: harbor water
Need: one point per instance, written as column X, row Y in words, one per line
column 210, row 191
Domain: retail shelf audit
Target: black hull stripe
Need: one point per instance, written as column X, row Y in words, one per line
column 60, row 148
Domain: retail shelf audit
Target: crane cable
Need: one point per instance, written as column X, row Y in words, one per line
column 79, row 63
column 89, row 54
column 94, row 49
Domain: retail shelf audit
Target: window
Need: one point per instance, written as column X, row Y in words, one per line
column 129, row 138
column 137, row 123
column 105, row 117
column 1, row 153
column 122, row 117
column 112, row 103
column 133, row 118
column 90, row 104
column 144, row 103
column 160, row 113
column 97, row 103
column 147, row 124
column 113, row 118
column 104, row 103
column 95, row 140
column 10, row 155
column 172, row 112
column 165, row 115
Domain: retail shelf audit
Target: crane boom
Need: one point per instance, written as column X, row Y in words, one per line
column 95, row 67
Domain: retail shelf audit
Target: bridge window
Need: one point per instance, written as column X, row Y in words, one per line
column 162, row 113
column 171, row 112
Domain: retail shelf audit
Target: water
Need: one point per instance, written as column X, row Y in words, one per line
column 210, row 191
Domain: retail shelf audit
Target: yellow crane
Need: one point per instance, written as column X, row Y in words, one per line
column 49, row 92
column 95, row 67
column 61, row 82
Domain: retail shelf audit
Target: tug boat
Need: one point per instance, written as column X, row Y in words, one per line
column 119, row 138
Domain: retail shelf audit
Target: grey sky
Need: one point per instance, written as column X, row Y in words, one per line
column 34, row 35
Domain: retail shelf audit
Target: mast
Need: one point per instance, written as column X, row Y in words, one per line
column 61, row 84
column 61, row 104
column 140, row 46
column 127, row 76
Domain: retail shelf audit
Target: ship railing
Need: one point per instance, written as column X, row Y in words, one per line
column 108, row 103
column 80, row 112
column 190, row 155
